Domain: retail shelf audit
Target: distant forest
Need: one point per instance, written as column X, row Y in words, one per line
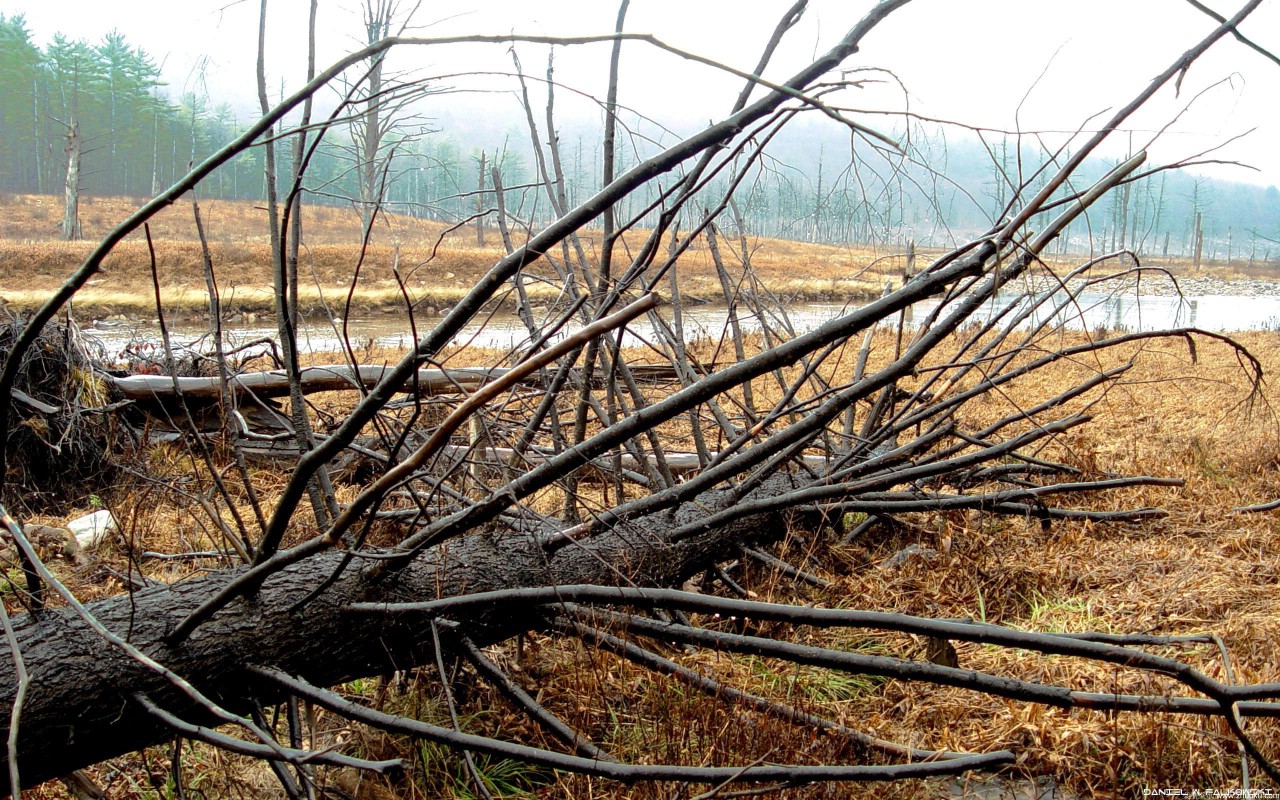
column 818, row 186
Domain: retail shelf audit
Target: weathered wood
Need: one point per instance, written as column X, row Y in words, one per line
column 28, row 400
column 79, row 707
column 328, row 378
column 332, row 378
column 71, row 192
column 678, row 463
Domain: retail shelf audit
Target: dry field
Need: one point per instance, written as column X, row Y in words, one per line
column 1201, row 569
column 436, row 266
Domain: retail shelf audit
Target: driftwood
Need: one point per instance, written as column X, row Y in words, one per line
column 185, row 403
column 335, row 378
column 330, row 378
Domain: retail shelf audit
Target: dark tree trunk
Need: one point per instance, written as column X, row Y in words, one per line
column 79, row 708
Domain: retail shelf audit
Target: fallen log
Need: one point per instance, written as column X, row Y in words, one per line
column 453, row 455
column 335, row 378
column 327, row 378
column 81, row 704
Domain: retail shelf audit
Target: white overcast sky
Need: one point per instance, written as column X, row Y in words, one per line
column 968, row 60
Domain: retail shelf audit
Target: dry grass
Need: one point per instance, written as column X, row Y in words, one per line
column 437, row 266
column 1201, row 569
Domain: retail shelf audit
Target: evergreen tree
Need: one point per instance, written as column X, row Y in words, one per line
column 19, row 145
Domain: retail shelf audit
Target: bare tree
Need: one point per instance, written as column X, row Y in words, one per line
column 73, row 67
column 700, row 467
column 370, row 129
column 380, row 102
column 71, row 193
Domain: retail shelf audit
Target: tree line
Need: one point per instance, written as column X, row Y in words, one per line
column 134, row 139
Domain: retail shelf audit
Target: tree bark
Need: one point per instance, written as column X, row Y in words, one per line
column 79, row 708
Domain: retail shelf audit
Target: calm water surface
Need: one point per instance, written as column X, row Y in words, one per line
column 504, row 330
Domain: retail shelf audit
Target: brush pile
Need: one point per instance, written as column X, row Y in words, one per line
column 59, row 436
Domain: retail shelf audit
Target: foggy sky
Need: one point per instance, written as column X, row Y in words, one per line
column 974, row 61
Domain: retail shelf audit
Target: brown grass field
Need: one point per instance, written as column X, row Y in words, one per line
column 1202, row 569
column 437, row 266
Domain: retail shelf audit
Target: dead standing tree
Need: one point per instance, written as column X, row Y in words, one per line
column 71, row 193
column 467, row 568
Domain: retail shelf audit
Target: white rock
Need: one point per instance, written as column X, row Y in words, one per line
column 93, row 529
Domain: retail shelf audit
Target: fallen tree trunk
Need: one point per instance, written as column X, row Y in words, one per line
column 454, row 455
column 333, row 378
column 81, row 706
column 328, row 378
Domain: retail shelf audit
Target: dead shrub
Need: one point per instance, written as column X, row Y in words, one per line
column 59, row 442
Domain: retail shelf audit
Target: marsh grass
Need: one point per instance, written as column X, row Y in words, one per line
column 436, row 267
column 1201, row 569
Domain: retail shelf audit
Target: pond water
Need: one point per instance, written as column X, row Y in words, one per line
column 1096, row 310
